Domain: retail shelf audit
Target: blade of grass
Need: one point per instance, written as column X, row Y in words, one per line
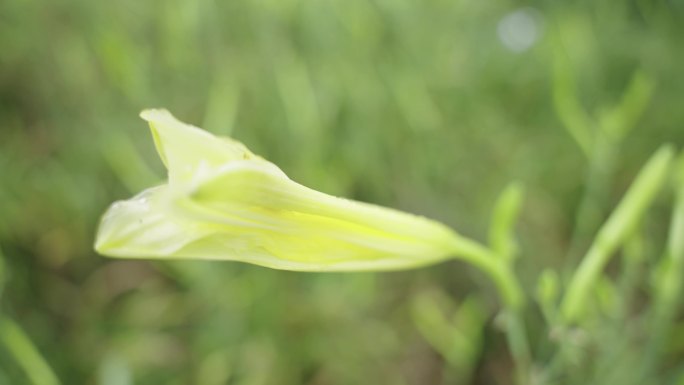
column 505, row 214
column 25, row 353
column 669, row 287
column 615, row 231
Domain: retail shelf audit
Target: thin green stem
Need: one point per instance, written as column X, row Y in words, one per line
column 629, row 278
column 2, row 272
column 503, row 277
column 669, row 287
column 589, row 211
column 615, row 231
column 512, row 295
column 25, row 353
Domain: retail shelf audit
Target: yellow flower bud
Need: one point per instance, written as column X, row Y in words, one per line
column 222, row 202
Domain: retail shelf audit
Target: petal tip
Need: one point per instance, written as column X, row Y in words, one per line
column 102, row 245
column 155, row 114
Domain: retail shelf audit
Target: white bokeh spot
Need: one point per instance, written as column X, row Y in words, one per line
column 519, row 30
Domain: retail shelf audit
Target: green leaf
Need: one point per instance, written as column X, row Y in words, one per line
column 19, row 345
column 506, row 210
column 616, row 230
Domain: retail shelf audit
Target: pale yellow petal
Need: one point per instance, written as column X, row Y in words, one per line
column 185, row 148
column 223, row 202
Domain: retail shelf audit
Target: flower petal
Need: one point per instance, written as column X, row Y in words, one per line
column 246, row 184
column 184, row 148
column 241, row 207
column 143, row 226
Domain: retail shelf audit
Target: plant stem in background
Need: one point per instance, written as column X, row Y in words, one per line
column 593, row 201
column 669, row 285
column 481, row 257
column 501, row 238
column 566, row 101
column 25, row 353
column 512, row 295
column 615, row 231
column 2, row 272
column 611, row 127
column 633, row 265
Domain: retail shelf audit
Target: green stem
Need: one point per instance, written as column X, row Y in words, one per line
column 2, row 272
column 512, row 296
column 615, row 231
column 629, row 277
column 589, row 212
column 669, row 287
column 478, row 255
column 25, row 353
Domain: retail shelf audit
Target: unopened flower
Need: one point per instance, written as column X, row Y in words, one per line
column 222, row 202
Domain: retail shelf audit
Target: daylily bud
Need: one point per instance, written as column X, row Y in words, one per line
column 223, row 202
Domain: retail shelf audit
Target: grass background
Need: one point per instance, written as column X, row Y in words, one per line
column 417, row 105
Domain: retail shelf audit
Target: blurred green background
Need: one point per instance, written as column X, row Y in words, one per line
column 428, row 106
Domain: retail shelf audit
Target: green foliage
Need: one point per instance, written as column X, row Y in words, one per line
column 616, row 230
column 416, row 105
column 20, row 347
column 455, row 332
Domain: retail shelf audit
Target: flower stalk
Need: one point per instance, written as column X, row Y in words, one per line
column 223, row 202
column 615, row 231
